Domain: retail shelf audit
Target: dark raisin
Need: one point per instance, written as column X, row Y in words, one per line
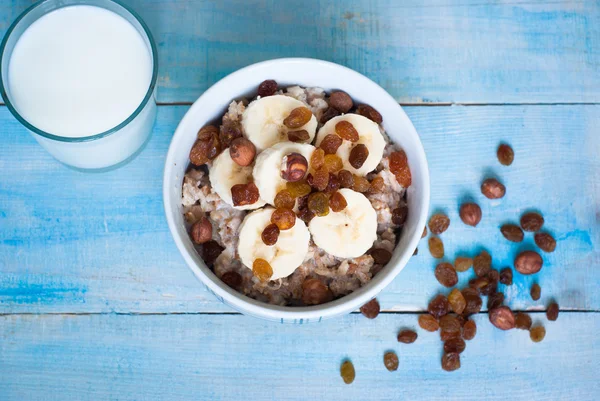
column 506, row 276
column 330, row 144
column 381, row 256
column 451, row 361
column 329, row 114
column 505, row 154
column 244, row 194
column 270, row 234
column 232, row 279
column 473, row 300
column 512, row 232
column 333, row 184
column 407, row 336
column 358, row 155
column 438, row 306
column 552, row 311
column 482, row 264
column 545, row 241
column 456, row 344
column 438, row 223
column 298, row 136
column 495, row 300
column 371, row 309
column 367, row 111
column 315, row 292
column 211, row 251
column 532, row 221
column 267, row 88
column 346, row 179
column 399, row 215
column 446, row 275
column 522, row 321
column 337, row 202
column 449, row 323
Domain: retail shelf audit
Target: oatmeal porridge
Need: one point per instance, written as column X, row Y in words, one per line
column 296, row 197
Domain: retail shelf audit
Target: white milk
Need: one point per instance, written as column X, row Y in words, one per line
column 79, row 71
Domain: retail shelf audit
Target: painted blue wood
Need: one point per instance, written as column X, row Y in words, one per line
column 77, row 242
column 454, row 51
column 202, row 357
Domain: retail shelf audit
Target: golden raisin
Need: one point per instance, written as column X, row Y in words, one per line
column 390, row 360
column 361, row 184
column 320, row 179
column 206, row 148
column 436, row 247
column 462, row 264
column 244, row 194
column 262, row 270
column 283, row 218
column 337, row 202
column 428, row 322
column 399, row 167
column 346, row 131
column 469, row 330
column 347, row 372
column 270, row 234
column 330, row 144
column 446, row 275
column 317, row 159
column 284, row 200
column 537, row 333
column 377, row 185
column 358, row 156
column 318, row 203
column 346, row 179
column 457, row 301
column 333, row 163
column 438, row 223
column 298, row 117
column 297, row 189
column 536, row 291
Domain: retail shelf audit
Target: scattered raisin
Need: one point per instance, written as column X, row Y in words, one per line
column 470, row 214
column 512, row 232
column 537, row 333
column 552, row 311
column 491, row 188
column 456, row 344
column 297, row 189
column 330, row 144
column 371, row 309
column 318, row 203
column 545, row 242
column 315, row 292
column 270, row 234
column 438, row 306
column 202, row 231
column 457, row 301
column 320, row 179
column 407, row 336
column 532, row 221
column 482, row 263
column 399, row 167
column 329, row 114
column 505, row 154
column 535, row 292
column 428, row 322
column 267, row 88
column 377, row 185
column 346, row 131
column 506, row 276
column 462, row 264
column 438, row 223
column 449, row 323
column 244, row 194
column 502, row 317
column 242, row 151
column 399, row 215
column 436, row 247
column 469, row 330
column 341, row 101
column 495, row 300
column 346, row 179
column 284, row 200
column 283, row 218
column 211, row 251
column 262, row 270
column 478, row 283
column 361, row 184
column 450, row 361
column 298, row 117
column 390, row 360
column 528, row 262
column 446, row 275
column 298, row 136
column 232, row 279
column 333, row 163
column 358, row 155
column 367, row 111
column 522, row 321
column 347, row 372
column 381, row 256
column 337, row 202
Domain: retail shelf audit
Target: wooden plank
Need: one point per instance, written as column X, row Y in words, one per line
column 452, row 51
column 77, row 242
column 232, row 357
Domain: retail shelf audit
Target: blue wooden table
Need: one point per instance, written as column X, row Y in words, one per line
column 97, row 304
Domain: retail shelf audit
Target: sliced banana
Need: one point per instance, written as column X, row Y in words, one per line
column 369, row 135
column 268, row 167
column 224, row 173
column 349, row 233
column 263, row 121
column 285, row 256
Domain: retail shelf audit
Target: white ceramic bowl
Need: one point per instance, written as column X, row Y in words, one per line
column 305, row 72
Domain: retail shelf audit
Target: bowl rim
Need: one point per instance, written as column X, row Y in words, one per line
column 250, row 306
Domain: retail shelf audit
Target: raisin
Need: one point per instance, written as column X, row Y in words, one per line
column 367, row 111
column 346, row 130
column 447, row 335
column 438, row 306
column 469, row 330
column 371, row 309
column 297, row 189
column 232, row 279
column 436, row 247
column 244, row 194
column 361, row 184
column 502, row 317
column 329, row 114
column 451, row 361
column 449, row 323
column 333, row 184
column 211, row 251
column 495, row 300
column 482, row 264
column 201, row 231
column 320, row 179
column 381, row 256
column 407, row 336
column 473, row 300
column 230, row 130
column 399, row 167
column 270, row 234
column 478, row 283
column 346, row 179
column 390, row 360
column 298, row 117
column 522, row 321
column 207, row 132
column 337, row 202
column 446, row 275
column 545, row 242
column 532, row 221
column 470, row 214
column 330, row 144
column 457, row 301
column 284, row 200
column 537, row 333
column 262, row 270
column 552, row 311
column 358, row 155
column 333, row 163
column 535, row 292
column 399, row 215
column 506, row 276
column 315, row 292
column 438, row 223
column 205, row 149
column 462, row 264
column 341, row 101
column 512, row 232
column 317, row 159
column 428, row 322
column 505, row 154
column 528, row 262
column 491, row 188
column 298, row 136
column 347, row 372
column 267, row 88
column 455, row 345
column 377, row 185
column 305, row 215
column 283, row 218
column 318, row 203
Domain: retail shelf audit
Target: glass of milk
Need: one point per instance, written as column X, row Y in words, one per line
column 80, row 75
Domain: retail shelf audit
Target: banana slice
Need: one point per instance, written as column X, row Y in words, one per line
column 268, row 167
column 285, row 256
column 349, row 233
column 263, row 121
column 369, row 135
column 224, row 173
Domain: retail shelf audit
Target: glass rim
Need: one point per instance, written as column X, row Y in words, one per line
column 93, row 137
